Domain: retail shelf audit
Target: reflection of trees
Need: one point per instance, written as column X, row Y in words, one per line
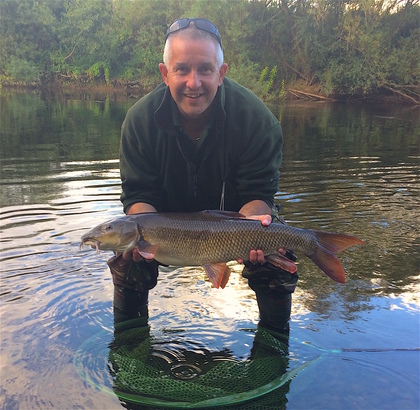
column 346, row 170
column 356, row 205
column 41, row 137
column 322, row 132
column 68, row 129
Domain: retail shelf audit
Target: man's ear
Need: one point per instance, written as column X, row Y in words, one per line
column 163, row 72
column 222, row 72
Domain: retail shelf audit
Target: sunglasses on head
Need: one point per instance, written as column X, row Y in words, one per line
column 201, row 24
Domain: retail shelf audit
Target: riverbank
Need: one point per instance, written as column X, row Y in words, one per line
column 118, row 90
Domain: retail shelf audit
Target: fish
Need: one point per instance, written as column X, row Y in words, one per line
column 213, row 238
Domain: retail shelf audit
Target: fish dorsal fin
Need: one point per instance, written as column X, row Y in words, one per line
column 218, row 214
column 218, row 274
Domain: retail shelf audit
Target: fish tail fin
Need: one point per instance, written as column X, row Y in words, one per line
column 331, row 244
column 329, row 264
column 337, row 242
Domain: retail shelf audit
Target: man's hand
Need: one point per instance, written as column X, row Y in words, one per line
column 257, row 255
column 138, row 208
column 135, row 255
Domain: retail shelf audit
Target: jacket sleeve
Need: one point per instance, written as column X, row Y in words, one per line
column 258, row 166
column 139, row 173
column 257, row 148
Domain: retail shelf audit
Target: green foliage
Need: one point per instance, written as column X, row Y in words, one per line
column 99, row 71
column 27, row 31
column 342, row 47
column 246, row 74
column 20, row 69
column 266, row 80
column 268, row 83
column 282, row 92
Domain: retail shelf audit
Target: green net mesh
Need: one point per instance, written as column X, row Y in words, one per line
column 144, row 374
column 175, row 368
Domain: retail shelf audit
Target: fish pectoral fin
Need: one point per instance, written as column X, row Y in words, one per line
column 218, row 274
column 282, row 262
column 147, row 250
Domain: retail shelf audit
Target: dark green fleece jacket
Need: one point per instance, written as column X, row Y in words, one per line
column 161, row 166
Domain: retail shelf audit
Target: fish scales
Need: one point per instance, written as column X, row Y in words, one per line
column 212, row 238
column 207, row 240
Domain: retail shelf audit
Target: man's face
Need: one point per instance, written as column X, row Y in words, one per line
column 193, row 75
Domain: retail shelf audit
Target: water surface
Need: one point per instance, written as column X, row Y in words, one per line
column 346, row 168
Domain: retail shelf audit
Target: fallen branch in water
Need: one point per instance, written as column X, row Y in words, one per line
column 314, row 97
column 409, row 97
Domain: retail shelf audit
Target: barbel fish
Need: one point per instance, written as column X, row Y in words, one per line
column 212, row 238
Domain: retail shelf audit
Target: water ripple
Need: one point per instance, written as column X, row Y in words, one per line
column 56, row 300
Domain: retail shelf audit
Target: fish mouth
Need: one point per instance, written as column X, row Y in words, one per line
column 93, row 243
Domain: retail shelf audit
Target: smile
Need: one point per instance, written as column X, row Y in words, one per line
column 193, row 95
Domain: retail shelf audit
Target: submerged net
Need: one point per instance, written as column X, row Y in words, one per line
column 142, row 373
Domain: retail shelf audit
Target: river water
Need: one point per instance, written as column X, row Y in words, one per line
column 347, row 168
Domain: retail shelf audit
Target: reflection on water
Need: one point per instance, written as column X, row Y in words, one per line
column 190, row 372
column 346, row 168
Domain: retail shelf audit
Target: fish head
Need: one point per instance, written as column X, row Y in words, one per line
column 117, row 235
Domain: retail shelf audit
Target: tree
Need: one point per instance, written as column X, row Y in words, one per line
column 337, row 48
column 27, row 34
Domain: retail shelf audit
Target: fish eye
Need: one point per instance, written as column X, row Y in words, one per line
column 106, row 228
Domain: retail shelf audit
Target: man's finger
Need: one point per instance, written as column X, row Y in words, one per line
column 256, row 256
column 266, row 220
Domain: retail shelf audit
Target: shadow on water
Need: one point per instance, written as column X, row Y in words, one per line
column 346, row 168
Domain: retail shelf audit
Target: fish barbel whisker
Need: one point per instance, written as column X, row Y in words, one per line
column 92, row 243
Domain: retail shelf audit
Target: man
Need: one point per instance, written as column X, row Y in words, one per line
column 200, row 141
